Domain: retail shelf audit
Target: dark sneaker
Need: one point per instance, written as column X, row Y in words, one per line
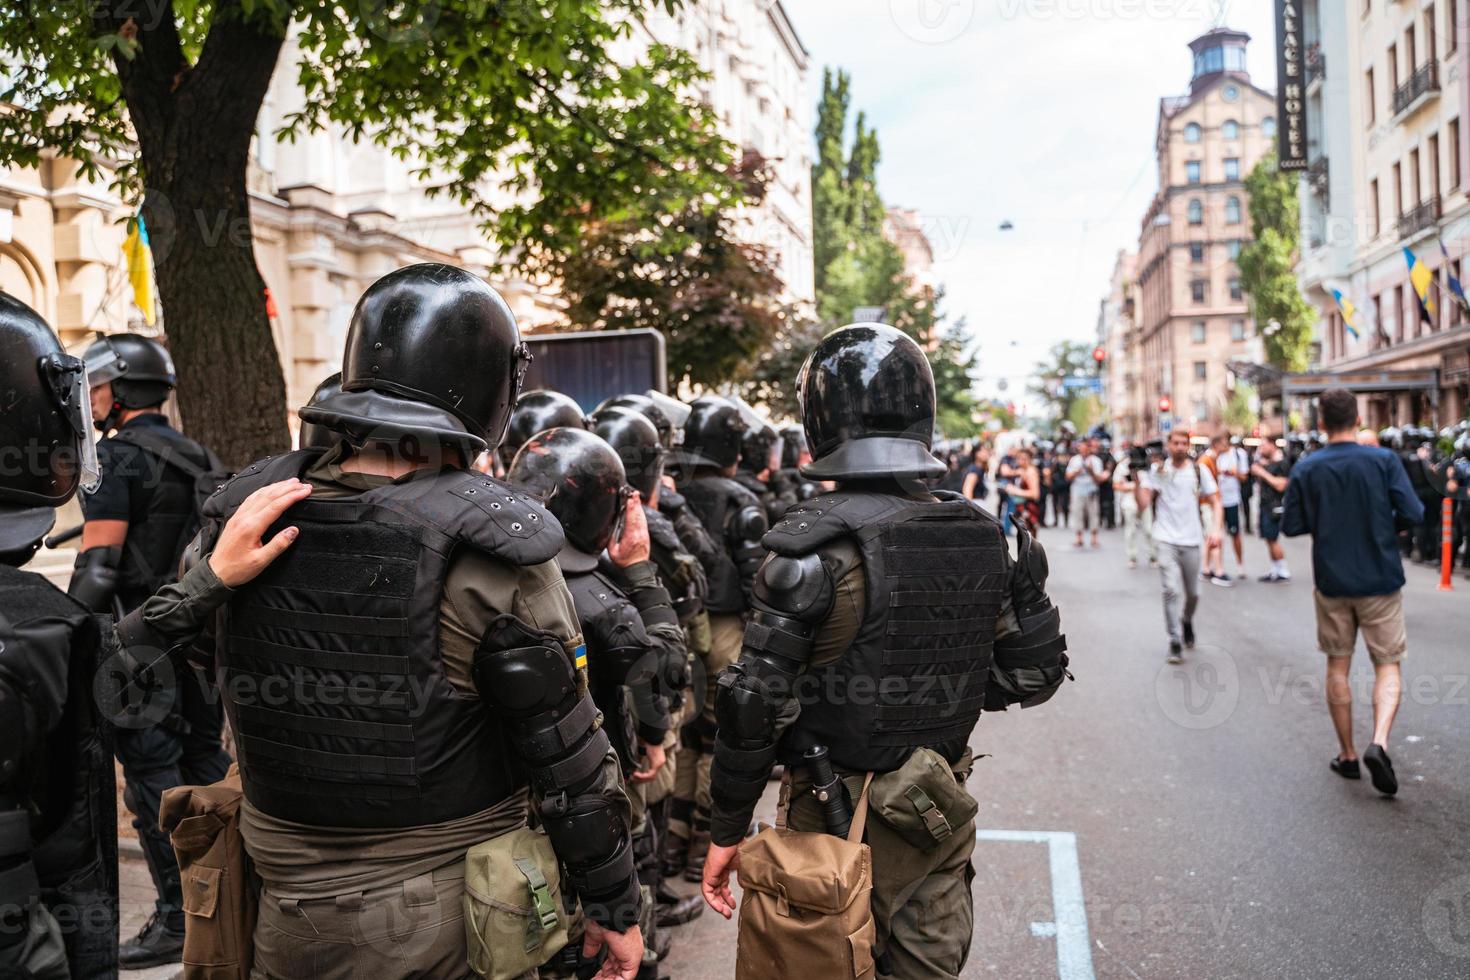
column 1176, row 653
column 1346, row 768
column 675, row 909
column 1222, row 580
column 154, row 945
column 1381, row 770
column 1189, row 635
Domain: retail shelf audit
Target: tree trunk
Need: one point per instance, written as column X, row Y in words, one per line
column 194, row 125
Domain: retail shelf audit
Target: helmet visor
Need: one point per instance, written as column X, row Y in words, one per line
column 104, row 364
column 70, row 387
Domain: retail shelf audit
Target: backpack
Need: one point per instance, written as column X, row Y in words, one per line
column 206, row 479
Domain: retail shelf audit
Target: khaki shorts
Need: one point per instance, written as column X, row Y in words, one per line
column 1380, row 618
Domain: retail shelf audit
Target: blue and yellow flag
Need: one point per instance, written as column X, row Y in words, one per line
column 140, row 268
column 1349, row 312
column 1421, row 277
column 1456, row 290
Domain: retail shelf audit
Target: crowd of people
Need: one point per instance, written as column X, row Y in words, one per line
column 470, row 680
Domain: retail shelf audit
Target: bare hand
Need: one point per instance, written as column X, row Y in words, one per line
column 624, row 951
column 1214, row 539
column 241, row 554
column 718, row 864
column 656, row 758
column 631, row 545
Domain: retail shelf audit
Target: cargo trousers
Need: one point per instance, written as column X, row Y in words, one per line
column 923, row 909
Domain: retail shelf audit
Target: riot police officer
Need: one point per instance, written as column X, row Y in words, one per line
column 58, row 843
column 788, row 481
column 733, row 516
column 884, row 620
column 636, row 660
column 409, row 672
column 639, row 445
column 138, row 520
column 760, row 458
column 315, row 436
column 537, row 411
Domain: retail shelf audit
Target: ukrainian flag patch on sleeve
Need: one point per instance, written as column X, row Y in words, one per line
column 579, row 656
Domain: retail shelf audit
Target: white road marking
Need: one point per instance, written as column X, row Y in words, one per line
column 1074, row 948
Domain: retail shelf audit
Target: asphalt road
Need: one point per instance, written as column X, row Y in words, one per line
column 1212, row 840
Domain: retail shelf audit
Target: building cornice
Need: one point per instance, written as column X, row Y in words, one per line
column 786, row 31
column 1435, row 343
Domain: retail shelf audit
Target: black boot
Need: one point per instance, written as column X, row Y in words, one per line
column 154, row 945
column 675, row 909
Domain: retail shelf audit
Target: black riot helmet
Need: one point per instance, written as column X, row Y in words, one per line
column 45, row 429
column 867, row 403
column 712, row 434
column 649, row 409
column 580, row 480
column 635, row 440
column 140, row 370
column 433, row 353
column 537, row 411
column 315, row 436
column 760, row 449
column 793, row 446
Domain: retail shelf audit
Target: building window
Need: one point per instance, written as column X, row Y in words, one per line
column 1198, row 289
column 1235, row 291
column 1268, row 127
column 1369, row 102
column 1191, row 133
column 1230, row 129
column 1393, row 67
column 1233, row 249
column 1398, row 190
column 1191, row 171
column 1232, row 210
column 1415, row 180
column 1237, row 330
column 1201, row 370
column 1201, row 408
column 1197, row 332
column 1196, row 212
column 1430, row 32
column 1451, row 26
column 1376, row 215
column 1454, row 153
column 1196, row 251
column 1434, row 165
column 1232, row 168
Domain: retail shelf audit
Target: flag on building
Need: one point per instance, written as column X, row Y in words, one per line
column 1420, row 277
column 139, row 255
column 1456, row 290
column 1357, row 320
column 1349, row 312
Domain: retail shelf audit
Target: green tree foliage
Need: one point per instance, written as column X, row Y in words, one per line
column 1068, row 359
column 1239, row 415
column 517, row 111
column 712, row 296
column 1284, row 318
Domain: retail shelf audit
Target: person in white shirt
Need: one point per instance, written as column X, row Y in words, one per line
column 1176, row 489
column 1136, row 523
column 1230, row 465
column 1085, row 472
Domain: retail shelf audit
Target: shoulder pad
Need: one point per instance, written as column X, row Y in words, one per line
column 482, row 512
column 670, row 500
column 224, row 501
column 751, row 523
column 661, row 530
column 799, row 587
column 949, row 496
column 608, row 618
column 813, row 523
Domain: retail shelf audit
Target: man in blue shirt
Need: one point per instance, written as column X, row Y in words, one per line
column 1347, row 496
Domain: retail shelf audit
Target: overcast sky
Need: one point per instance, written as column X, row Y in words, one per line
column 1040, row 112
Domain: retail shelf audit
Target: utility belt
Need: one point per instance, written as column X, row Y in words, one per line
column 19, row 884
column 687, row 607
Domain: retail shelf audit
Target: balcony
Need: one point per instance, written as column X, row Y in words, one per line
column 1317, row 177
column 1425, row 215
column 1316, row 64
column 1422, row 86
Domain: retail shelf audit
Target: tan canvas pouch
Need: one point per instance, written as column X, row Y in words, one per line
column 805, row 907
column 513, row 915
column 923, row 800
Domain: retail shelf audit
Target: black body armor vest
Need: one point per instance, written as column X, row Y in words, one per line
column 341, row 709
column 716, row 500
column 615, row 638
column 679, row 571
column 915, row 674
column 51, row 650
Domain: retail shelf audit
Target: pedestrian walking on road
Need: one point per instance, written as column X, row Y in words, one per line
column 1176, row 489
column 1347, row 496
column 1270, row 471
column 1136, row 522
column 1085, row 473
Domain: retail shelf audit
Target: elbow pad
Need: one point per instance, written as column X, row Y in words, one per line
column 1029, row 666
column 527, row 680
column 94, row 578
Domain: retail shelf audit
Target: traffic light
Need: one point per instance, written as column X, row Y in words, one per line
column 1099, row 355
column 1165, row 404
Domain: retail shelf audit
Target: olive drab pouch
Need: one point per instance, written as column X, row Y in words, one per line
column 806, row 904
column 221, row 890
column 513, row 915
column 924, row 800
